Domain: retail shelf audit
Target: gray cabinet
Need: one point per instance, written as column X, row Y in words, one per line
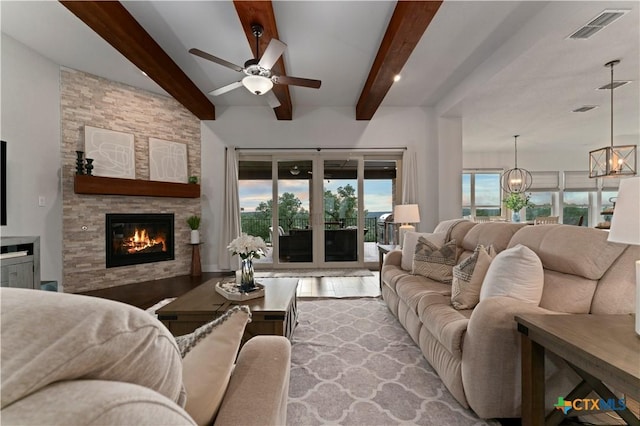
column 20, row 262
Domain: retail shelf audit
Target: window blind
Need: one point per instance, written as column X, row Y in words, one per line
column 545, row 181
column 579, row 181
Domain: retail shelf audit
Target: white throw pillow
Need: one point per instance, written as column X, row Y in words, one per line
column 515, row 272
column 409, row 246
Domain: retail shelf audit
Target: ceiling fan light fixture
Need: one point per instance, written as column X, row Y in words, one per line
column 257, row 85
column 613, row 160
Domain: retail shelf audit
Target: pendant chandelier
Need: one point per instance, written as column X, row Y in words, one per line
column 612, row 160
column 516, row 180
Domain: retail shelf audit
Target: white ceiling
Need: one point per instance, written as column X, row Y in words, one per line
column 506, row 67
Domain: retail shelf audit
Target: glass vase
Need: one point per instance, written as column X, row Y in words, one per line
column 515, row 216
column 246, row 275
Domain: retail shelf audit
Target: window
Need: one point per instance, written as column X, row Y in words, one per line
column 543, row 205
column 544, row 190
column 575, row 205
column 577, row 198
column 481, row 194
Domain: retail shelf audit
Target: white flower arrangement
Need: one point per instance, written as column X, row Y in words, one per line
column 247, row 246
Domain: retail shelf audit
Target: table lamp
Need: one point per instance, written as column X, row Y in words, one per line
column 625, row 226
column 406, row 214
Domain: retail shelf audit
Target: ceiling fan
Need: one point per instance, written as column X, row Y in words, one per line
column 259, row 78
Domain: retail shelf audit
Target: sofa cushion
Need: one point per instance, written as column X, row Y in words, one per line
column 571, row 249
column 444, row 322
column 207, row 366
column 50, row 337
column 95, row 402
column 411, row 288
column 435, row 262
column 410, row 242
column 516, row 273
column 468, row 276
column 496, row 234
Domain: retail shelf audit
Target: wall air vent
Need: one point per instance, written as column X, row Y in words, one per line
column 605, row 18
column 616, row 84
column 585, row 108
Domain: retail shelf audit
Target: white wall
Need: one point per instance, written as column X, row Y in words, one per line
column 257, row 127
column 30, row 123
column 532, row 160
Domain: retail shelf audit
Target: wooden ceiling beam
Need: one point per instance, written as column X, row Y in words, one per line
column 409, row 22
column 261, row 12
column 114, row 24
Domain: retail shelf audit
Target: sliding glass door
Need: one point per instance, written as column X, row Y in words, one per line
column 310, row 208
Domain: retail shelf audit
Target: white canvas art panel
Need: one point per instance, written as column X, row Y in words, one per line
column 112, row 152
column 167, row 161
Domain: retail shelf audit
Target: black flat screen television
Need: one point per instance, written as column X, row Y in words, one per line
column 3, row 184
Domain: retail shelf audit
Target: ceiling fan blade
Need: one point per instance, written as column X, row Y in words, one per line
column 296, row 81
column 275, row 49
column 272, row 99
column 225, row 89
column 215, row 59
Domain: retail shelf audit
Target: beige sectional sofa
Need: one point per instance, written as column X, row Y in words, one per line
column 70, row 360
column 477, row 352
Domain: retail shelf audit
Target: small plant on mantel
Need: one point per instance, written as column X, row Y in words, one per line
column 194, row 224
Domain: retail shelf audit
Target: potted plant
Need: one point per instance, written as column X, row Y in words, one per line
column 194, row 224
column 515, row 202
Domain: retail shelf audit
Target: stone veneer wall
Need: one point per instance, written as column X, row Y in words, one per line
column 90, row 100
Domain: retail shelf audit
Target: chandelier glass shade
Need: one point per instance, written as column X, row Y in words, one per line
column 257, row 84
column 516, row 180
column 613, row 160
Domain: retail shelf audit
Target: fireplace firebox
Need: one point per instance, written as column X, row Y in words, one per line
column 136, row 238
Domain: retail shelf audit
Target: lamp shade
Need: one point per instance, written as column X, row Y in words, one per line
column 406, row 213
column 625, row 222
column 257, row 84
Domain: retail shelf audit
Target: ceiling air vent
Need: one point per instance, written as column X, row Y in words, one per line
column 585, row 108
column 599, row 22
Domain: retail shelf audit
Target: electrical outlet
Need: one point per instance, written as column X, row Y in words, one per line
column 42, row 201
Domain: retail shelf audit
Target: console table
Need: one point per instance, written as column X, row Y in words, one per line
column 20, row 262
column 382, row 250
column 600, row 348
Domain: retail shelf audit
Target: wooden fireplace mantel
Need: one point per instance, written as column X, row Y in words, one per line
column 85, row 184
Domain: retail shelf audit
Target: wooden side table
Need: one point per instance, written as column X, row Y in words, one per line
column 382, row 250
column 600, row 348
column 196, row 267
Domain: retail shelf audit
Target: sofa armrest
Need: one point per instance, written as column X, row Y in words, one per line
column 491, row 357
column 259, row 388
column 394, row 258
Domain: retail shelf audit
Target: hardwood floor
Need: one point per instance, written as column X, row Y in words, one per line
column 146, row 294
column 340, row 286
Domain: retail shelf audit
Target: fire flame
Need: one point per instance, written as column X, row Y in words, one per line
column 141, row 240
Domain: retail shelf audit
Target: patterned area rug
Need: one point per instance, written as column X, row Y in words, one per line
column 314, row 273
column 354, row 364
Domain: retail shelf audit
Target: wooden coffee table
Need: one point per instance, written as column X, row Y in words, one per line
column 276, row 313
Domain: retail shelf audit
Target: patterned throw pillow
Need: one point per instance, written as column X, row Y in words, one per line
column 209, row 356
column 189, row 341
column 435, row 262
column 468, row 276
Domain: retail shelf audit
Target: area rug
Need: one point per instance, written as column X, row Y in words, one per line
column 284, row 273
column 354, row 364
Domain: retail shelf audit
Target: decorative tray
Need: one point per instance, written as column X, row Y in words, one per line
column 231, row 291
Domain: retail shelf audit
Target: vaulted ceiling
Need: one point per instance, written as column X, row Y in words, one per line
column 505, row 67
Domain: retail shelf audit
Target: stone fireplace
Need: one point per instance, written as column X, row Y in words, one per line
column 136, row 238
column 88, row 100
